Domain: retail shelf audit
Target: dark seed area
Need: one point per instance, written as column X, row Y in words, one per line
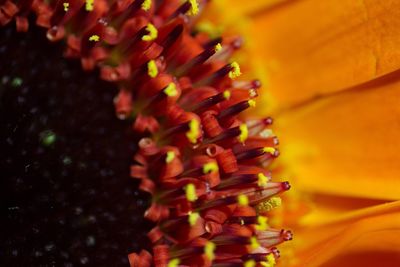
column 66, row 197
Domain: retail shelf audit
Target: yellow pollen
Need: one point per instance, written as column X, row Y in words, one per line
column 194, row 8
column 270, row 150
column 146, row 5
column 217, row 47
column 250, row 263
column 152, row 33
column 209, row 249
column 262, row 223
column 66, row 6
column 174, row 263
column 254, row 242
column 89, row 5
column 170, row 156
column 94, row 38
column 244, row 133
column 152, row 69
column 270, row 204
column 170, row 90
column 271, row 260
column 191, row 192
column 243, row 200
column 235, row 72
column 193, row 217
column 194, row 131
column 210, row 167
column 227, row 94
column 252, row 103
column 262, row 180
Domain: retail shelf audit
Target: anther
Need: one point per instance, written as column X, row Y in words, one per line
column 170, row 156
column 89, row 5
column 190, row 7
column 152, row 33
column 235, row 71
column 232, row 70
column 190, row 190
column 94, row 38
column 210, row 167
column 146, row 5
column 193, row 217
column 209, row 249
column 152, row 69
column 66, row 6
column 174, row 263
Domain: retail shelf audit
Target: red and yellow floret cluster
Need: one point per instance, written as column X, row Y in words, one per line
column 205, row 167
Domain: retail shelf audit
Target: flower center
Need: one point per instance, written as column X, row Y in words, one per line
column 66, row 194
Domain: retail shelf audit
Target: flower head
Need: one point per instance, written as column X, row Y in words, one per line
column 203, row 164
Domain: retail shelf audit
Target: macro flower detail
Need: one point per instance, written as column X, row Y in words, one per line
column 204, row 164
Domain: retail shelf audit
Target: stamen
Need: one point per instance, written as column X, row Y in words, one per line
column 146, row 5
column 211, row 101
column 271, row 260
column 194, row 8
column 262, row 223
column 171, row 38
column 152, row 69
column 257, row 152
column 262, row 180
column 243, row 200
column 174, row 263
column 198, row 60
column 210, row 167
column 209, row 249
column 193, row 217
column 255, row 84
column 194, row 131
column 244, row 133
column 170, row 156
column 235, row 72
column 250, row 263
column 254, row 243
column 94, row 38
column 217, row 47
column 240, row 132
column 170, row 90
column 191, row 192
column 89, row 5
column 236, row 109
column 152, row 33
column 232, row 70
column 269, row 205
column 66, row 6
column 241, row 179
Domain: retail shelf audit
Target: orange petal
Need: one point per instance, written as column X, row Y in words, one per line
column 252, row 7
column 346, row 144
column 373, row 234
column 312, row 47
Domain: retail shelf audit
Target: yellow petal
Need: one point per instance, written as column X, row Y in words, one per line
column 312, row 48
column 346, row 144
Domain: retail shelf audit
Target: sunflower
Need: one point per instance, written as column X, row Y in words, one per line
column 179, row 94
